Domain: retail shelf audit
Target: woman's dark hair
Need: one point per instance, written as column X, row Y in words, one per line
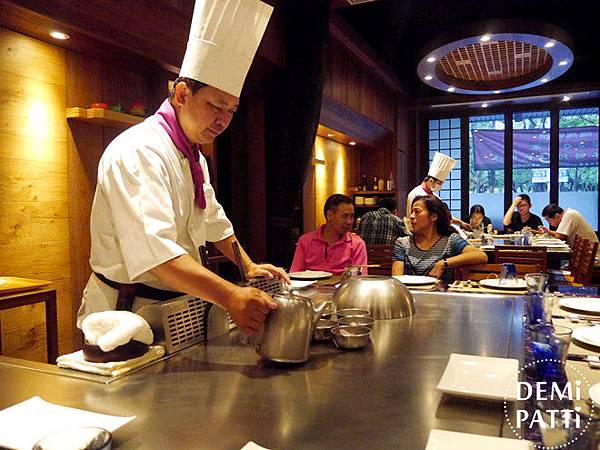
column 526, row 197
column 192, row 85
column 477, row 209
column 434, row 205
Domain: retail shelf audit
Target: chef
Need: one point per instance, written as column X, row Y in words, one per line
column 440, row 168
column 154, row 205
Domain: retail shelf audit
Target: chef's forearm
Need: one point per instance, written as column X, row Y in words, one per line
column 225, row 247
column 185, row 274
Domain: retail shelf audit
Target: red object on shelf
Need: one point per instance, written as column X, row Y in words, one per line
column 99, row 105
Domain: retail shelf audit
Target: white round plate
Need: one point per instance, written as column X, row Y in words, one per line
column 415, row 279
column 494, row 283
column 595, row 393
column 588, row 335
column 587, row 304
column 310, row 275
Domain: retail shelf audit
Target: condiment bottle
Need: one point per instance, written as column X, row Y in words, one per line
column 375, row 185
column 381, row 184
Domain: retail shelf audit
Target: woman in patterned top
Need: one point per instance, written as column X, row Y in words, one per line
column 434, row 249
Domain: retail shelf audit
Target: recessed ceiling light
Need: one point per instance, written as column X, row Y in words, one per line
column 566, row 98
column 544, row 80
column 564, row 62
column 451, row 89
column 352, row 143
column 431, row 59
column 549, row 44
column 329, row 134
column 496, row 92
column 428, row 77
column 485, row 38
column 59, row 35
column 484, row 105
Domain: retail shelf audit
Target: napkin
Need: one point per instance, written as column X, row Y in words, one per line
column 253, row 446
column 25, row 423
column 75, row 361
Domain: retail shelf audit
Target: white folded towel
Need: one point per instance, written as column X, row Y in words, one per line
column 75, row 361
column 110, row 329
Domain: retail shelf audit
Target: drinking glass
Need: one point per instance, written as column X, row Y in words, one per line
column 538, row 304
column 548, row 347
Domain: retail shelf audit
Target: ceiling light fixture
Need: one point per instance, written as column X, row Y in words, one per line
column 428, row 77
column 485, row 38
column 431, row 59
column 566, row 98
column 352, row 143
column 59, row 35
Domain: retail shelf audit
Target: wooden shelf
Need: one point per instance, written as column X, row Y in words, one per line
column 390, row 193
column 104, row 117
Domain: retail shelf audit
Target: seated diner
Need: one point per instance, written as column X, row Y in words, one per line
column 434, row 249
column 332, row 247
column 477, row 217
column 517, row 220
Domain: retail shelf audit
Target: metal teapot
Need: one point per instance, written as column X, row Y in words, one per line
column 285, row 336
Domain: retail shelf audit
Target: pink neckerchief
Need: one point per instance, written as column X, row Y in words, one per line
column 168, row 120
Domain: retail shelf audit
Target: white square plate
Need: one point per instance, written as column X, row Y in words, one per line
column 480, row 377
column 452, row 440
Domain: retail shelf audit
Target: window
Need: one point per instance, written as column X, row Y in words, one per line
column 531, row 157
column 486, row 165
column 444, row 137
column 578, row 162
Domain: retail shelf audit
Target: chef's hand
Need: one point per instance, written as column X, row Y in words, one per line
column 267, row 271
column 438, row 270
column 249, row 308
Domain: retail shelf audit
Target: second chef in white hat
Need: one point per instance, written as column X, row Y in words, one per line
column 154, row 205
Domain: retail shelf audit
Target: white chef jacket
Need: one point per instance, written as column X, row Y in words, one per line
column 144, row 213
column 416, row 192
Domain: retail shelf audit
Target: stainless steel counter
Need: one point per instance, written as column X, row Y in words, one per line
column 218, row 396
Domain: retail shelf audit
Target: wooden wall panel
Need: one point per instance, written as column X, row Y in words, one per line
column 34, row 231
column 337, row 175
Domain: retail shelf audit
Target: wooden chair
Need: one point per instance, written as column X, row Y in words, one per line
column 521, row 254
column 583, row 267
column 483, row 271
column 575, row 251
column 382, row 255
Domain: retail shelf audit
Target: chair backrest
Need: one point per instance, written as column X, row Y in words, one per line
column 483, row 271
column 521, row 254
column 575, row 251
column 584, row 266
column 382, row 255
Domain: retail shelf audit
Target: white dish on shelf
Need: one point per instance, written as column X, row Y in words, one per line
column 517, row 284
column 415, row 280
column 310, row 275
column 481, row 377
column 588, row 335
column 452, row 440
column 587, row 304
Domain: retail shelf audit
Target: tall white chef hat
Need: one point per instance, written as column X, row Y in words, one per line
column 223, row 40
column 441, row 166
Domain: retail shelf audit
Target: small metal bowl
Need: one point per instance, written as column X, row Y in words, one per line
column 326, row 314
column 86, row 438
column 362, row 321
column 347, row 312
column 323, row 330
column 349, row 337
